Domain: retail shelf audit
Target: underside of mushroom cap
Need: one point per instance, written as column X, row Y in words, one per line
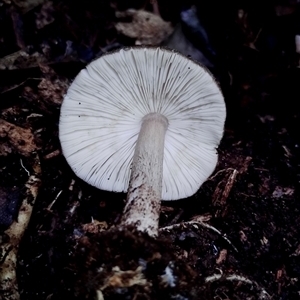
column 102, row 112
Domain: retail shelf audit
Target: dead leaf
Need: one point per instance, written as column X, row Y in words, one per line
column 128, row 278
column 147, row 28
column 28, row 5
column 50, row 93
column 16, row 138
column 95, row 227
column 21, row 60
column 282, row 191
column 222, row 256
column 45, row 16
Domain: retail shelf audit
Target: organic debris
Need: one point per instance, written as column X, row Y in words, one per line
column 236, row 238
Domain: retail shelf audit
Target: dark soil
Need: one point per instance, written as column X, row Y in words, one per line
column 238, row 237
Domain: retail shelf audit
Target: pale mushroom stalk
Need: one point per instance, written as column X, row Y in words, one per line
column 145, row 186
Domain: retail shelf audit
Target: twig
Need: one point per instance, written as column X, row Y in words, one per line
column 155, row 7
column 219, row 172
column 198, row 223
column 19, row 85
column 52, row 154
column 28, row 173
column 220, row 195
column 52, row 203
column 235, row 277
column 177, row 217
column 8, row 278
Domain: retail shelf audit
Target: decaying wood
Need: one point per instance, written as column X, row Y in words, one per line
column 9, row 249
column 224, row 187
column 221, row 193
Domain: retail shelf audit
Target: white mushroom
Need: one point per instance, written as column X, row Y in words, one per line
column 146, row 120
column 297, row 42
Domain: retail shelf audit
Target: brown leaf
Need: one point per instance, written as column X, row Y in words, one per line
column 16, row 138
column 147, row 28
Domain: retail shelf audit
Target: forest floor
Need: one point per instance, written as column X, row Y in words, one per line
column 239, row 235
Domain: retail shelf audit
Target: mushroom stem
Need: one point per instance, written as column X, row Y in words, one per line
column 145, row 187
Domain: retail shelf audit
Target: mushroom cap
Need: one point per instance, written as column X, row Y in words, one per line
column 103, row 109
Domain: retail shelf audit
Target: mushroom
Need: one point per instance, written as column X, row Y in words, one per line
column 143, row 120
column 297, row 42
